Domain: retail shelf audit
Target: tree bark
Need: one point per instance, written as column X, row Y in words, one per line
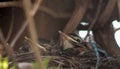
column 104, row 36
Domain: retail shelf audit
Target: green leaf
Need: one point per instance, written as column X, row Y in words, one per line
column 14, row 66
column 56, row 68
column 0, row 62
column 46, row 62
column 5, row 63
column 36, row 65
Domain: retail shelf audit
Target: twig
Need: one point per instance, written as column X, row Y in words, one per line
column 27, row 8
column 10, row 4
column 95, row 19
column 19, row 33
column 11, row 25
column 41, row 47
column 76, row 17
column 104, row 17
column 54, row 13
column 36, row 6
column 23, row 27
column 67, row 37
column 65, row 40
column 9, row 50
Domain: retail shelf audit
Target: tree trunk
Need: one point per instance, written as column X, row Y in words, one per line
column 104, row 36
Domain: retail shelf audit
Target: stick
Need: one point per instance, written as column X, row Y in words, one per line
column 38, row 45
column 10, row 4
column 36, row 6
column 107, row 13
column 11, row 26
column 19, row 34
column 31, row 24
column 95, row 19
column 9, row 50
column 76, row 18
column 54, row 13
